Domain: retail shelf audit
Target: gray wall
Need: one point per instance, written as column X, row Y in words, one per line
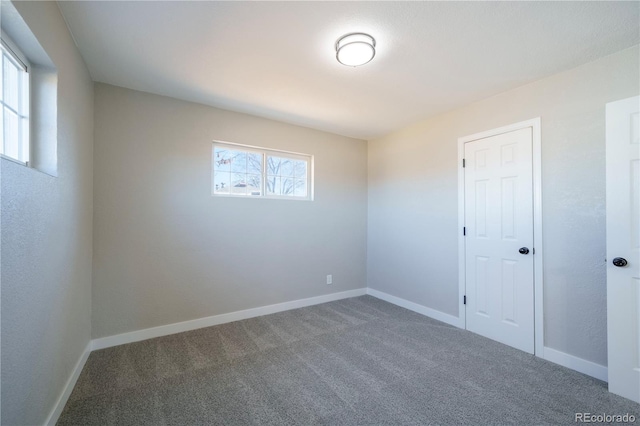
column 47, row 242
column 413, row 211
column 166, row 251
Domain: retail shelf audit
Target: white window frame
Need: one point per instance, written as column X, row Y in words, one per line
column 19, row 59
column 265, row 152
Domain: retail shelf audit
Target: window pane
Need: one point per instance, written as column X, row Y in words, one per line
column 274, row 185
column 237, row 172
column 287, row 186
column 238, row 183
column 254, row 163
column 24, row 94
column 221, row 182
column 272, row 166
column 279, row 166
column 221, row 159
column 286, row 176
column 11, row 134
column 286, row 167
column 254, row 184
column 300, row 189
column 239, row 162
column 10, row 84
column 300, row 169
column 239, row 189
column 24, row 139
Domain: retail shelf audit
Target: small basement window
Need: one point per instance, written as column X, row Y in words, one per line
column 246, row 171
column 14, row 99
column 28, row 97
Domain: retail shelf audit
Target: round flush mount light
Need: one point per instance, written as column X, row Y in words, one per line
column 355, row 49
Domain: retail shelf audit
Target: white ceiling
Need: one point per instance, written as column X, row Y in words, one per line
column 277, row 59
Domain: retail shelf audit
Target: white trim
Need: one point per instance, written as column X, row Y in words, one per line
column 16, row 52
column 258, row 149
column 578, row 364
column 13, row 160
column 462, row 270
column 537, row 223
column 429, row 312
column 54, row 415
column 538, row 258
column 552, row 355
column 23, row 109
column 179, row 327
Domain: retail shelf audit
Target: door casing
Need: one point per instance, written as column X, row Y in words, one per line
column 537, row 225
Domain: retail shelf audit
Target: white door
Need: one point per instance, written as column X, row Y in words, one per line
column 498, row 185
column 623, row 242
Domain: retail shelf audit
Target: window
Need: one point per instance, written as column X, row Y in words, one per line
column 14, row 98
column 240, row 170
column 28, row 97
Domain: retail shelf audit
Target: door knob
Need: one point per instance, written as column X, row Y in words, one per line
column 523, row 250
column 620, row 262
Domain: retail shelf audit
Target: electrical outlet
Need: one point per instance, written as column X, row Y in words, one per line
column 329, row 279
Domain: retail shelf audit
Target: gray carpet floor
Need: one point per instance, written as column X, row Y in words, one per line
column 358, row 361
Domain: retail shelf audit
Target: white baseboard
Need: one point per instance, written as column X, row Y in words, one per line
column 164, row 330
column 570, row 361
column 429, row 312
column 68, row 388
column 573, row 362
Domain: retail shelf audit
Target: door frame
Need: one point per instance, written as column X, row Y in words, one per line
column 534, row 123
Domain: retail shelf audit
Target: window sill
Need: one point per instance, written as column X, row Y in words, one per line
column 261, row 197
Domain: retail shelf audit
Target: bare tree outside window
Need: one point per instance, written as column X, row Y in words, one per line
column 286, row 176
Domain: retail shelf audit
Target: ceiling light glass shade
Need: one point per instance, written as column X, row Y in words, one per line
column 355, row 49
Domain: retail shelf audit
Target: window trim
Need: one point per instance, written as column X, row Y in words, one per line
column 15, row 51
column 16, row 56
column 265, row 152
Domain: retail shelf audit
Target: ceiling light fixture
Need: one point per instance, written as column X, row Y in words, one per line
column 355, row 49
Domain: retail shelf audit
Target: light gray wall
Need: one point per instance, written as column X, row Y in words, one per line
column 413, row 211
column 166, row 251
column 47, row 242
